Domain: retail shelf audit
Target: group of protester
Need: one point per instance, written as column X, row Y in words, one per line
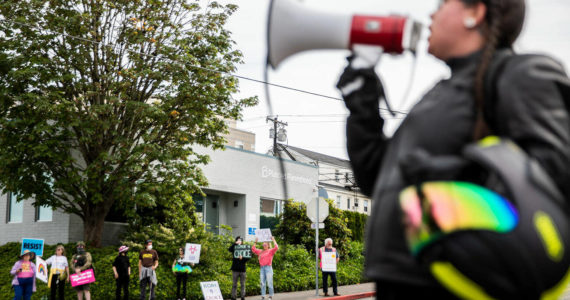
column 24, row 271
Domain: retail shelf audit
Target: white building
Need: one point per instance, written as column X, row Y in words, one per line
column 242, row 186
column 336, row 178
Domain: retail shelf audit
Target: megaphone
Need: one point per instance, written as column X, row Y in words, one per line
column 293, row 28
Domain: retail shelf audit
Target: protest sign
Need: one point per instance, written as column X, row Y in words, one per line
column 34, row 245
column 41, row 269
column 242, row 250
column 82, row 278
column 263, row 235
column 192, row 253
column 211, row 290
column 329, row 261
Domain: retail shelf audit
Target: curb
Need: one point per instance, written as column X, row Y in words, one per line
column 351, row 297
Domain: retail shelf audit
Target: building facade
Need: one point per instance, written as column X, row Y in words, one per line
column 242, row 186
column 336, row 179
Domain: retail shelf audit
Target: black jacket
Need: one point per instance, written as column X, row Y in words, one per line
column 238, row 265
column 530, row 111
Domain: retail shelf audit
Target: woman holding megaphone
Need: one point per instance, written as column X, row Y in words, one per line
column 491, row 91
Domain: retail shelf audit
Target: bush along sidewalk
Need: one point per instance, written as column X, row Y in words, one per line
column 294, row 270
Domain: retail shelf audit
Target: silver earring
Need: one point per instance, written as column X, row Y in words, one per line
column 469, row 22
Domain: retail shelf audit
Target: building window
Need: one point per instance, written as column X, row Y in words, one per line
column 355, row 202
column 365, row 205
column 239, row 144
column 44, row 213
column 199, row 204
column 15, row 209
column 336, row 175
column 267, row 206
column 338, row 201
column 348, row 203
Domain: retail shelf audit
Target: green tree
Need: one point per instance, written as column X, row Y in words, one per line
column 102, row 101
column 295, row 227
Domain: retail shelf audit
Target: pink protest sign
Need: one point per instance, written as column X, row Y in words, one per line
column 82, row 278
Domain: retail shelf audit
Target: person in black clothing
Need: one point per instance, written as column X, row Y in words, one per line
column 238, row 270
column 122, row 271
column 181, row 269
column 467, row 35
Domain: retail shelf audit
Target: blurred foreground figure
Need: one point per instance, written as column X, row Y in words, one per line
column 449, row 221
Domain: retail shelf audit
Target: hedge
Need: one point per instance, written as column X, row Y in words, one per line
column 356, row 222
column 294, row 270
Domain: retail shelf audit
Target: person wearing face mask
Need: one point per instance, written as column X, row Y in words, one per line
column 265, row 268
column 148, row 262
column 529, row 109
column 82, row 261
column 238, row 270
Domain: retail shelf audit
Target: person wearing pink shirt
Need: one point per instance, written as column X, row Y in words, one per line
column 24, row 272
column 265, row 269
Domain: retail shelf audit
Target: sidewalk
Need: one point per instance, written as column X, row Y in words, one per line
column 310, row 294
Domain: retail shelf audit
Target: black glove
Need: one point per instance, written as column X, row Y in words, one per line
column 358, row 77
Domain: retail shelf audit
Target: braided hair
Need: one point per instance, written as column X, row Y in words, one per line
column 503, row 24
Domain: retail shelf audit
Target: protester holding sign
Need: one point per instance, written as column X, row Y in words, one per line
column 59, row 272
column 181, row 269
column 82, row 261
column 148, row 262
column 122, row 272
column 328, row 248
column 24, row 272
column 238, row 267
column 265, row 268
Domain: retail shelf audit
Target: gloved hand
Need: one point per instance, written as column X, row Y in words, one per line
column 419, row 166
column 359, row 84
column 360, row 74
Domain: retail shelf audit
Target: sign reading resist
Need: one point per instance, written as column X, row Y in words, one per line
column 34, row 245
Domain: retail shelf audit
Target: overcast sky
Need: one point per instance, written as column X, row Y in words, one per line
column 317, row 123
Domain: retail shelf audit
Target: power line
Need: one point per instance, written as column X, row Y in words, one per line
column 192, row 66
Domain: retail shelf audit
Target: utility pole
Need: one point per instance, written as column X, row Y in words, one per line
column 278, row 132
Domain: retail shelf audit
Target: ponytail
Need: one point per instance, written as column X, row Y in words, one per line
column 492, row 32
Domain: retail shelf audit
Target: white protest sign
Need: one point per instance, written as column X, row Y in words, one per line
column 329, row 261
column 192, row 253
column 41, row 269
column 211, row 290
column 263, row 235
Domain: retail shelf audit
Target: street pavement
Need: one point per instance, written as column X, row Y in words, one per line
column 346, row 291
column 310, row 294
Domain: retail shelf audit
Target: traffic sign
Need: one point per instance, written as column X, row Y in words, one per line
column 314, row 225
column 312, row 209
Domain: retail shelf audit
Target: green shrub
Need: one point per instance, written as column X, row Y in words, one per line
column 356, row 222
column 295, row 227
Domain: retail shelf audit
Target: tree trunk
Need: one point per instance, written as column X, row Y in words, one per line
column 93, row 229
column 94, row 221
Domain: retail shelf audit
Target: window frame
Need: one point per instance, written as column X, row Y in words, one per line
column 9, row 207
